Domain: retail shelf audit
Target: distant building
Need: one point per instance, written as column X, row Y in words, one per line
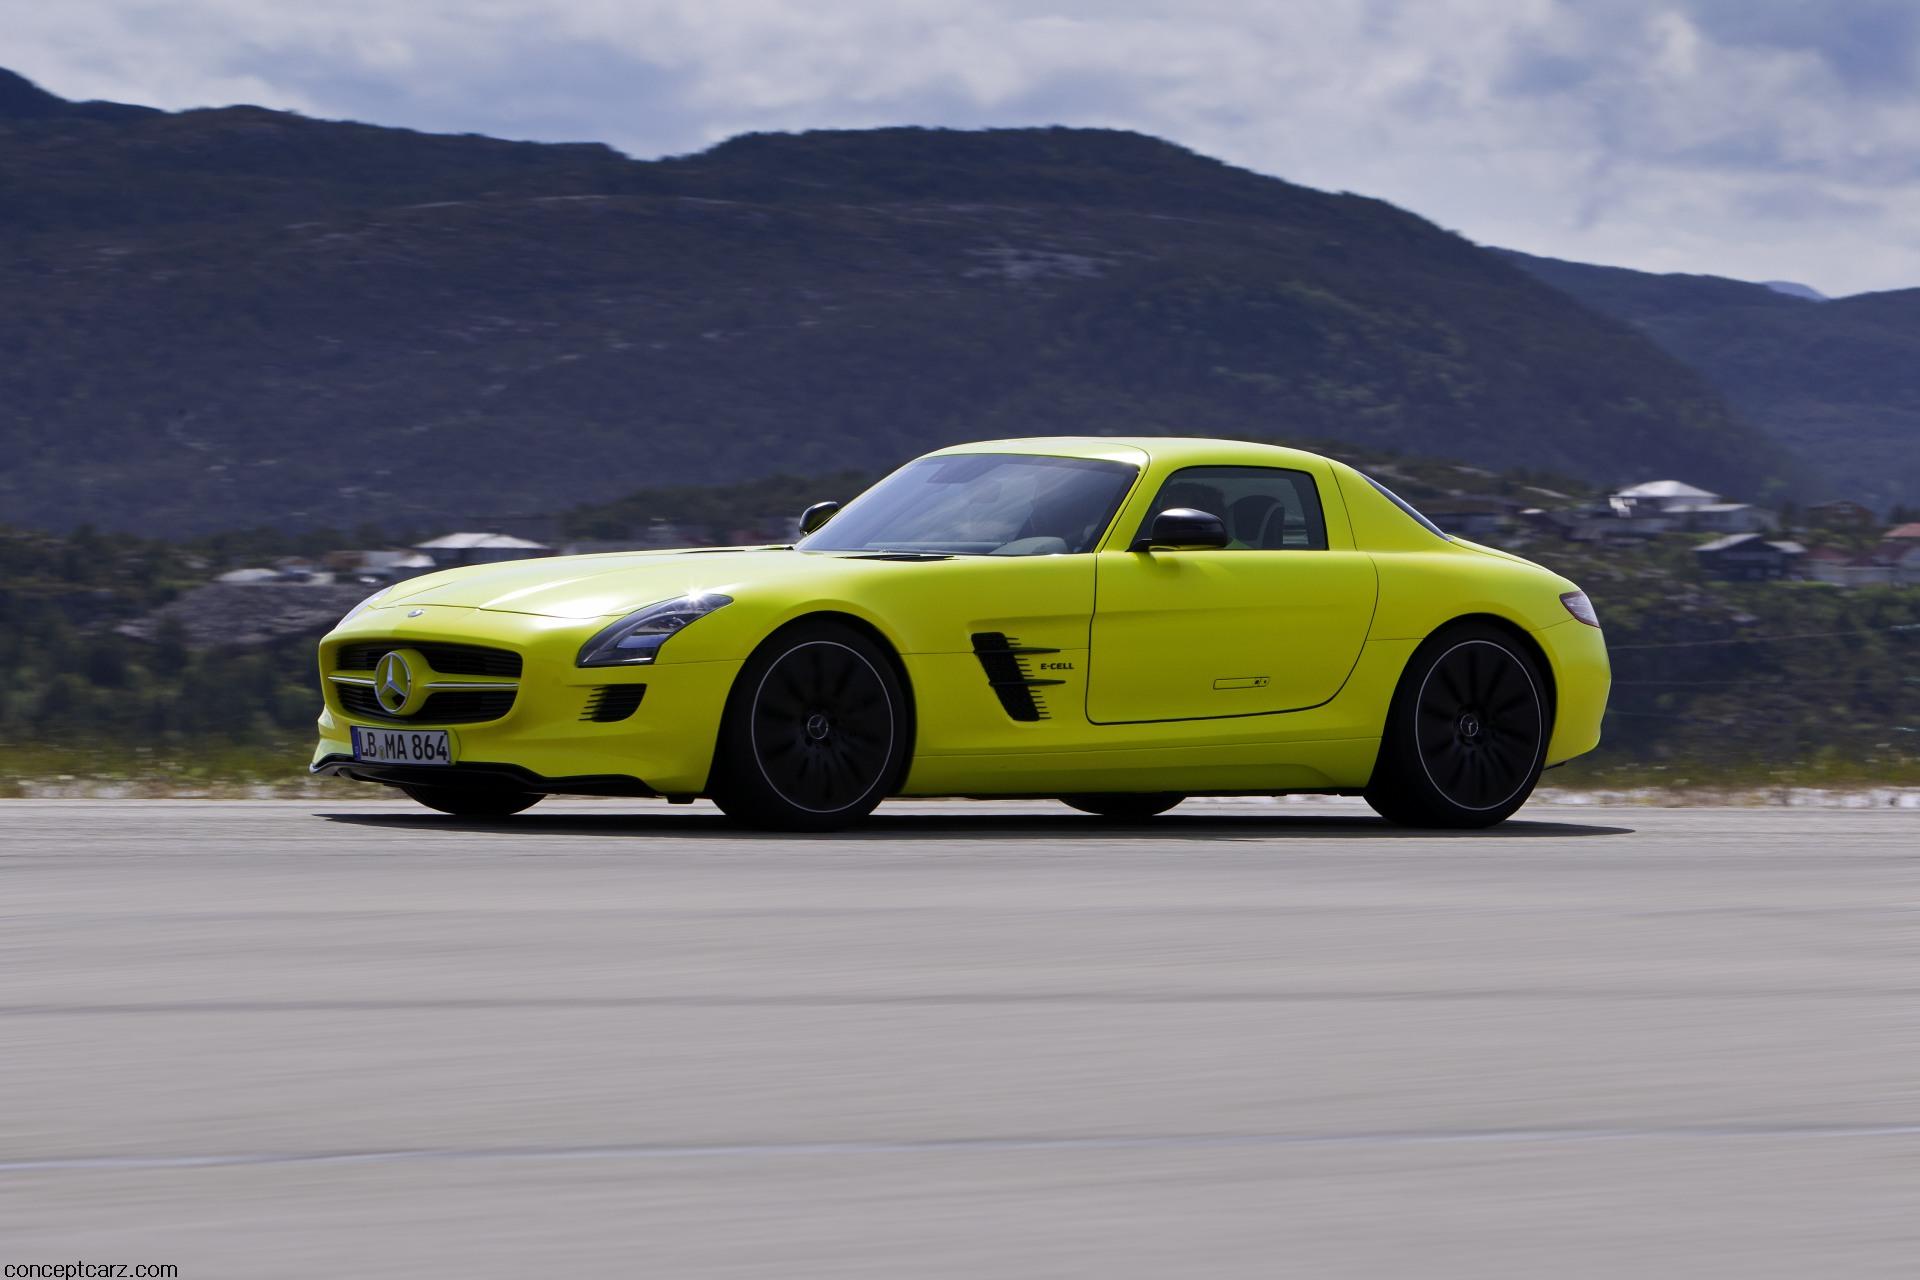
column 1748, row 557
column 1725, row 517
column 1606, row 524
column 377, row 566
column 1548, row 520
column 1841, row 514
column 1904, row 533
column 1658, row 497
column 480, row 548
column 1902, row 561
column 1893, row 563
column 1661, row 506
column 300, row 569
column 1843, row 568
column 1471, row 518
column 249, row 577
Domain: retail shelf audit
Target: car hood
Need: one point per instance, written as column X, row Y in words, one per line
column 598, row 585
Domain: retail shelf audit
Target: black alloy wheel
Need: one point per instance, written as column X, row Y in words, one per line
column 1124, row 806
column 469, row 801
column 816, row 732
column 1467, row 734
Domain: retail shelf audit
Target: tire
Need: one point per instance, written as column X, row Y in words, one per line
column 1124, row 806
column 816, row 732
column 474, row 802
column 1467, row 733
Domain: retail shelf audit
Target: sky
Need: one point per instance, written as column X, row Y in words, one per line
column 1759, row 139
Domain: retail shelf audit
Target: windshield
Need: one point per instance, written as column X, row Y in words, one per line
column 1001, row 504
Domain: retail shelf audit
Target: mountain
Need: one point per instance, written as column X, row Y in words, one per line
column 1835, row 382
column 1795, row 290
column 219, row 318
column 22, row 99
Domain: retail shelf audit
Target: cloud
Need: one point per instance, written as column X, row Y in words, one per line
column 1758, row 138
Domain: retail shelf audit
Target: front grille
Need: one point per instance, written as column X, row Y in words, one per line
column 447, row 659
column 450, row 706
column 611, row 702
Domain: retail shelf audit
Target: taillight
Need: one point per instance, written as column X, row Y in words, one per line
column 1580, row 607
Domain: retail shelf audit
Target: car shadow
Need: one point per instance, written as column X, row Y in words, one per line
column 910, row 826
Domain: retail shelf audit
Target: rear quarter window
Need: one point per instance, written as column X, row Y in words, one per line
column 1407, row 507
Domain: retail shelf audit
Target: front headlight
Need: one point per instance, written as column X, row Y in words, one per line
column 1580, row 607
column 362, row 607
column 637, row 637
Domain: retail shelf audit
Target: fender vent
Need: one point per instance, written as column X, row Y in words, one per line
column 1005, row 662
column 611, row 702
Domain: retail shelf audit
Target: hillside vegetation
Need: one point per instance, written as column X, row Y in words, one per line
column 1714, row 682
column 217, row 319
column 1836, row 383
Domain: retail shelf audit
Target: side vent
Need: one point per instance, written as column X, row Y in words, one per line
column 1005, row 662
column 612, row 702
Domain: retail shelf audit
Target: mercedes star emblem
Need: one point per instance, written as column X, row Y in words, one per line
column 392, row 683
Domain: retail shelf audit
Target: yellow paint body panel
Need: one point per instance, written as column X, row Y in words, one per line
column 1187, row 671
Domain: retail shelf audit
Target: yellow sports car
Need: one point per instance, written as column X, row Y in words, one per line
column 1116, row 623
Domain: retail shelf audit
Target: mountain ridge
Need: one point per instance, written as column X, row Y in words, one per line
column 1836, row 382
column 228, row 315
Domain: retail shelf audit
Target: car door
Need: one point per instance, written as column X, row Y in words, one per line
column 1273, row 622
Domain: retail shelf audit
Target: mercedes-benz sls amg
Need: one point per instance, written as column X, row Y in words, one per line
column 1115, row 623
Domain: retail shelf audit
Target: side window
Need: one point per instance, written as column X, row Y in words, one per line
column 1264, row 508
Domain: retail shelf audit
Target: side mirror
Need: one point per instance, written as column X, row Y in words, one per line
column 1183, row 529
column 816, row 515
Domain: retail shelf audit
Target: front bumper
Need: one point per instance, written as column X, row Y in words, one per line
column 505, row 777
column 544, row 742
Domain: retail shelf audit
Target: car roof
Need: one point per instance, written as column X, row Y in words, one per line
column 1177, row 450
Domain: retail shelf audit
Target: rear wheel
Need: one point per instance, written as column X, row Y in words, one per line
column 1467, row 734
column 815, row 733
column 474, row 802
column 1124, row 806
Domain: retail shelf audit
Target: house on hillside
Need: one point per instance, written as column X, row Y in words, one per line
column 249, row 577
column 378, row 566
column 300, row 569
column 480, row 548
column 1843, row 568
column 1841, row 514
column 1664, row 505
column 1658, row 497
column 1899, row 552
column 1748, row 557
column 1894, row 563
column 1727, row 517
column 1902, row 562
column 1473, row 518
column 1600, row 522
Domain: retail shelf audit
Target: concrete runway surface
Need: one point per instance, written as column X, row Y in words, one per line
column 330, row 1039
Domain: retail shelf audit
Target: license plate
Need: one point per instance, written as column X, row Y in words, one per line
column 402, row 746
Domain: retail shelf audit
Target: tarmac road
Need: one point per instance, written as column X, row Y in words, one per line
column 326, row 1039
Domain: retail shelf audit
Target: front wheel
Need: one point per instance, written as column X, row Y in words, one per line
column 1467, row 733
column 474, row 802
column 1123, row 806
column 815, row 732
